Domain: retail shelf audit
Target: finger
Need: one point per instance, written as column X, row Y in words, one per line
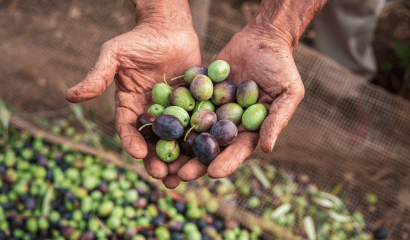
column 280, row 112
column 131, row 139
column 154, row 166
column 192, row 170
column 171, row 181
column 174, row 167
column 233, row 155
column 99, row 78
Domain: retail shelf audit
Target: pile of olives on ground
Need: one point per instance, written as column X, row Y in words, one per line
column 48, row 191
column 199, row 119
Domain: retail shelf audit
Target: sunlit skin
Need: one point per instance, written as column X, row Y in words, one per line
column 164, row 42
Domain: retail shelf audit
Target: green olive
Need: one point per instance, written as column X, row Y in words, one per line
column 43, row 223
column 31, row 225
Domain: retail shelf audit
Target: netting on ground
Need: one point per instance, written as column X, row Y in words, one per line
column 345, row 133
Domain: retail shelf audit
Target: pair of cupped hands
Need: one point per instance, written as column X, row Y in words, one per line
column 158, row 45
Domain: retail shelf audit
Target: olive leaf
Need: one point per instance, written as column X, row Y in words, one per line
column 260, row 175
column 47, row 199
column 309, row 227
column 339, row 217
column 281, row 210
column 323, row 202
column 103, row 227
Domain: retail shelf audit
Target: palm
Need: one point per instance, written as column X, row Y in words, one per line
column 138, row 60
column 272, row 67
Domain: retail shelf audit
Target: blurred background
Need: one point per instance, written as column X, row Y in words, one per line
column 350, row 137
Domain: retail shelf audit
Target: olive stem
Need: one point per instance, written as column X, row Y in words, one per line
column 144, row 126
column 172, row 79
column 166, row 82
column 199, row 106
column 189, row 132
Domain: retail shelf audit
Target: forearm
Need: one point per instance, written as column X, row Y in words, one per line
column 284, row 19
column 162, row 11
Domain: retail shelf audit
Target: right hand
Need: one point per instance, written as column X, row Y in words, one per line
column 164, row 41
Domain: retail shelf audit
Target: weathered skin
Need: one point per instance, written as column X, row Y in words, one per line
column 206, row 148
column 247, row 93
column 194, row 71
column 182, row 97
column 168, row 127
column 263, row 51
column 186, row 146
column 230, row 111
column 201, row 88
column 178, row 112
column 156, row 109
column 167, row 151
column 203, row 120
column 254, row 116
column 147, row 131
column 167, row 43
column 205, row 105
column 218, row 70
column 224, row 92
column 225, row 132
column 164, row 41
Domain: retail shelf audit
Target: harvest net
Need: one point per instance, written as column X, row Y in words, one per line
column 347, row 137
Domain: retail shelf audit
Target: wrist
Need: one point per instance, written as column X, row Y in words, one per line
column 174, row 12
column 284, row 21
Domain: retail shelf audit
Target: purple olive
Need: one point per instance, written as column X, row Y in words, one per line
column 146, row 131
column 168, row 127
column 194, row 71
column 225, row 132
column 203, row 120
column 247, row 93
column 206, row 148
column 230, row 111
column 186, row 146
column 201, row 88
column 224, row 92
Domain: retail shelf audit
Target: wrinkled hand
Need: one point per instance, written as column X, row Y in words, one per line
column 137, row 60
column 269, row 62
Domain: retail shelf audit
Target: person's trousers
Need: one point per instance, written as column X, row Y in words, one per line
column 344, row 32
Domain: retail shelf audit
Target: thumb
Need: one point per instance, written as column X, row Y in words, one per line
column 280, row 112
column 99, row 78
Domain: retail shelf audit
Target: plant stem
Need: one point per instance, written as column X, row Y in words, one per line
column 172, row 79
column 144, row 126
column 189, row 132
column 165, row 80
column 199, row 107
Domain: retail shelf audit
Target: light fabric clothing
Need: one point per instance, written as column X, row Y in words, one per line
column 345, row 30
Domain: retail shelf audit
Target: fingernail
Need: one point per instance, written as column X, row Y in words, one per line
column 273, row 143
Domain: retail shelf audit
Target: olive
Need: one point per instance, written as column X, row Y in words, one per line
column 180, row 207
column 176, row 236
column 194, row 71
column 31, row 225
column 225, row 132
column 206, row 148
column 162, row 233
column 105, row 208
column 158, row 220
column 186, row 146
column 176, row 226
column 168, row 127
column 146, row 132
column 140, row 202
column 224, row 92
column 88, row 235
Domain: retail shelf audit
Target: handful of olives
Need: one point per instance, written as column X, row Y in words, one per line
column 167, row 120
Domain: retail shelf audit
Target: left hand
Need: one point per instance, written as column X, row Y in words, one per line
column 269, row 62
